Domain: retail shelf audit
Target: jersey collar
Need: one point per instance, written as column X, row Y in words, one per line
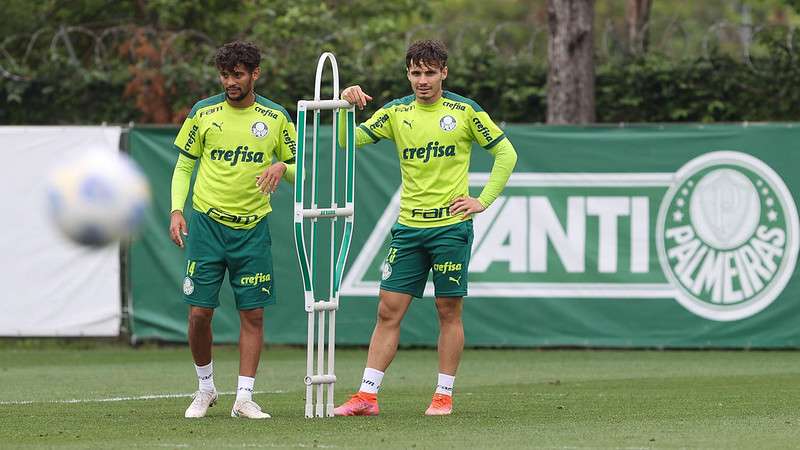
column 430, row 106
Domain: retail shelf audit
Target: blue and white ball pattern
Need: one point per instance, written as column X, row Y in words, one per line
column 99, row 198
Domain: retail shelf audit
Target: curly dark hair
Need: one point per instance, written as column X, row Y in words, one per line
column 238, row 52
column 428, row 52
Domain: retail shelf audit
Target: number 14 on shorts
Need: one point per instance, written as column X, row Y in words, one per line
column 190, row 266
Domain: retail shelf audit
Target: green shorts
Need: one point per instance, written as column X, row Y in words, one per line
column 414, row 252
column 212, row 247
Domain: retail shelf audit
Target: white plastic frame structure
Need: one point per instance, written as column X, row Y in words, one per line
column 318, row 376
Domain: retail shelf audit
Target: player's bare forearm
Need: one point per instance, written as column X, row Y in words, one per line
column 268, row 181
column 466, row 206
column 356, row 96
column 177, row 227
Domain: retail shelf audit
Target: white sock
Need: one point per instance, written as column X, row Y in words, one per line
column 371, row 381
column 245, row 389
column 445, row 384
column 205, row 377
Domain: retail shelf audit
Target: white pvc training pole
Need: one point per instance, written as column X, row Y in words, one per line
column 320, row 375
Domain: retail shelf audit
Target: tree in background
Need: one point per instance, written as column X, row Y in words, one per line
column 637, row 13
column 148, row 61
column 570, row 79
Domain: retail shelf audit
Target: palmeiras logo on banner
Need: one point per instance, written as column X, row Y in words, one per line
column 727, row 235
column 719, row 236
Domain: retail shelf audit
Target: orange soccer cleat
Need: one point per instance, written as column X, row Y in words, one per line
column 360, row 404
column 441, row 405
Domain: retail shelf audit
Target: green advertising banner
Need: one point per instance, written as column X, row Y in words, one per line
column 674, row 236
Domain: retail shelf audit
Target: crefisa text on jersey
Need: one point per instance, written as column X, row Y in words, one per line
column 380, row 122
column 482, row 129
column 241, row 154
column 190, row 140
column 432, row 149
column 266, row 112
column 454, row 106
column 289, row 141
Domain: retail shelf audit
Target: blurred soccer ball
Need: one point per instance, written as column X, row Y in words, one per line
column 99, row 198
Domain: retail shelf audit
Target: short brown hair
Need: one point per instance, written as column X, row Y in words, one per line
column 428, row 52
column 237, row 52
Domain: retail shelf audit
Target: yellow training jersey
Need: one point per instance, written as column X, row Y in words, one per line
column 433, row 143
column 234, row 146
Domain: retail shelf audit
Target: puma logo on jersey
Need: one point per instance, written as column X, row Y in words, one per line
column 218, row 125
column 266, row 290
column 406, row 122
column 455, row 280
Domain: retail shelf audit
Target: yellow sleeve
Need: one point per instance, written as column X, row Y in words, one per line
column 373, row 130
column 505, row 158
column 287, row 150
column 181, row 177
column 188, row 139
column 291, row 170
column 484, row 131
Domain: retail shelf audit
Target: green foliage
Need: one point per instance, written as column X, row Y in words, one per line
column 794, row 4
column 149, row 61
column 715, row 89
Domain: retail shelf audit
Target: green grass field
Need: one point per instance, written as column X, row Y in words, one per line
column 71, row 396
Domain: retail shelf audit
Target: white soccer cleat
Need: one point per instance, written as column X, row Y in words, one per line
column 248, row 409
column 201, row 401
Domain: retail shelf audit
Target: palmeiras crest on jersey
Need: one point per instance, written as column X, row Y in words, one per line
column 259, row 129
column 727, row 235
column 447, row 123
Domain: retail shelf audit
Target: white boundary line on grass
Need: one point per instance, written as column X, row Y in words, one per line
column 122, row 399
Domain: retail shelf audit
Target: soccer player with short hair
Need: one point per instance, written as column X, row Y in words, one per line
column 433, row 131
column 235, row 136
